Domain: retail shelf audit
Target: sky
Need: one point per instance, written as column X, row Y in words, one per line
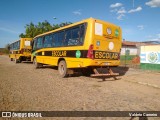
column 139, row 19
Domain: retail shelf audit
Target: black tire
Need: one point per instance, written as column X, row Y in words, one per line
column 16, row 60
column 36, row 64
column 62, row 68
column 11, row 59
column 20, row 59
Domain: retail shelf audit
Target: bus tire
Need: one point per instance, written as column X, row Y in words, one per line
column 36, row 64
column 20, row 59
column 16, row 60
column 11, row 59
column 62, row 68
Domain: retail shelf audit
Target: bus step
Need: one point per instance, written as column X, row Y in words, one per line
column 111, row 73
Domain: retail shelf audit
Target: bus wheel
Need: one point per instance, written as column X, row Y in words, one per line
column 37, row 65
column 62, row 68
column 20, row 60
column 11, row 59
column 16, row 60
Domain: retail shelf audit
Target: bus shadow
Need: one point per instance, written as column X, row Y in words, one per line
column 27, row 62
column 49, row 66
column 108, row 79
column 121, row 70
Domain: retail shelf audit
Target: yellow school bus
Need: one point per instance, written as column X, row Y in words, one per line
column 86, row 45
column 20, row 50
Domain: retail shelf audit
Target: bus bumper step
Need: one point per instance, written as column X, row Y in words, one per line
column 111, row 73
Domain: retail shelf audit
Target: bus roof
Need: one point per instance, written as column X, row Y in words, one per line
column 19, row 40
column 76, row 23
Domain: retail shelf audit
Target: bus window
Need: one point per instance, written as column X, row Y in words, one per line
column 82, row 34
column 68, row 36
column 35, row 44
column 48, row 41
column 55, row 39
column 39, row 42
column 75, row 35
column 60, row 38
column 18, row 45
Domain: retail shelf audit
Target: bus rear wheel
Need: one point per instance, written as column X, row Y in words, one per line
column 36, row 64
column 62, row 68
column 11, row 59
column 16, row 60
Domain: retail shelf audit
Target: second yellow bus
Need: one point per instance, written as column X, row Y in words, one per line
column 20, row 50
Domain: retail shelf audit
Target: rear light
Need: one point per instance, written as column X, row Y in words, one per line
column 90, row 52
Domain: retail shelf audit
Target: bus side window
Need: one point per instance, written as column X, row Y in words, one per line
column 18, row 45
column 55, row 39
column 47, row 41
column 35, row 44
column 51, row 40
column 68, row 36
column 82, row 32
column 75, row 35
column 39, row 42
column 60, row 38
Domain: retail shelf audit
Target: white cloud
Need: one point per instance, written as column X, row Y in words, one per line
column 135, row 10
column 141, row 27
column 114, row 10
column 121, row 10
column 78, row 12
column 116, row 5
column 120, row 16
column 8, row 30
column 121, row 13
column 153, row 3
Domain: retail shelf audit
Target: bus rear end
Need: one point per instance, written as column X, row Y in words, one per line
column 21, row 50
column 105, row 46
column 25, row 49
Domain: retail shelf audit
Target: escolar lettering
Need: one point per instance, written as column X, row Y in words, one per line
column 106, row 55
column 59, row 53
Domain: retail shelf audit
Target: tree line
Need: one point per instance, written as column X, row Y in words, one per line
column 31, row 30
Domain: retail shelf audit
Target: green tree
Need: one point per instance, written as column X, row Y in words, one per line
column 31, row 30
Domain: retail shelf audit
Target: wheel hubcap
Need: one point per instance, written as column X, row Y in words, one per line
column 61, row 69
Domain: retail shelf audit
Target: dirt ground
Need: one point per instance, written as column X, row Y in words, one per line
column 24, row 88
